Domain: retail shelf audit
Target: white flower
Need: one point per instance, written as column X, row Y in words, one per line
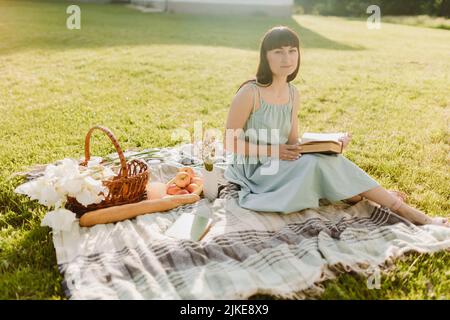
column 67, row 179
column 71, row 185
column 86, row 198
column 91, row 193
column 70, row 166
column 95, row 186
column 50, row 171
column 40, row 189
column 66, row 167
column 60, row 219
column 49, row 196
column 31, row 189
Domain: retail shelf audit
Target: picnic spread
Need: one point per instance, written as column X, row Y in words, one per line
column 243, row 253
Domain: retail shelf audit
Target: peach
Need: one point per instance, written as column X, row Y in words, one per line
column 182, row 191
column 197, row 180
column 188, row 170
column 182, row 179
column 156, row 190
column 173, row 189
column 192, row 187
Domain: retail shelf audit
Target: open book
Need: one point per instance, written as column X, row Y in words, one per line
column 191, row 225
column 327, row 143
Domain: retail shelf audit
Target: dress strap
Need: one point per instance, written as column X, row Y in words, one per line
column 291, row 98
column 255, row 86
column 291, row 101
column 254, row 104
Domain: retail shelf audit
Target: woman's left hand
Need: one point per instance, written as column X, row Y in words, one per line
column 346, row 139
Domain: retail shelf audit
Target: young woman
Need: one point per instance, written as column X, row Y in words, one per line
column 271, row 102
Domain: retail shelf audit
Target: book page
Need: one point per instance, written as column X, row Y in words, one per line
column 312, row 136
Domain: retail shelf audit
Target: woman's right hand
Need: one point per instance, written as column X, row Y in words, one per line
column 289, row 152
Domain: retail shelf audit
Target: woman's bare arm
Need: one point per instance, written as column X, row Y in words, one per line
column 240, row 110
column 293, row 136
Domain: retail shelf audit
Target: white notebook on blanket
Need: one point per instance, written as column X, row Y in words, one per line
column 191, row 225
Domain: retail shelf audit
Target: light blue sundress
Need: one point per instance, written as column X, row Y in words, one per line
column 297, row 184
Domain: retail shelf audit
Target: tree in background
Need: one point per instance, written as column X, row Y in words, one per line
column 388, row 7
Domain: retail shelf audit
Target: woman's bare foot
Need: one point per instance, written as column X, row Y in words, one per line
column 440, row 221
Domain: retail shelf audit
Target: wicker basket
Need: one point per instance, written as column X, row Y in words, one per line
column 127, row 187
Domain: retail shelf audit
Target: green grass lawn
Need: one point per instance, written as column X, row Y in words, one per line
column 421, row 21
column 144, row 75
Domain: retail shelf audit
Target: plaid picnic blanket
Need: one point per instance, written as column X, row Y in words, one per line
column 245, row 252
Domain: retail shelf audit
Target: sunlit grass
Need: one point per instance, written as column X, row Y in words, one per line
column 144, row 75
column 420, row 21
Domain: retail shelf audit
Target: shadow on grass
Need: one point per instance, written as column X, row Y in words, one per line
column 42, row 25
column 28, row 267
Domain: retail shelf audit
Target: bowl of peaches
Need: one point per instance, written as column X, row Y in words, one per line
column 184, row 182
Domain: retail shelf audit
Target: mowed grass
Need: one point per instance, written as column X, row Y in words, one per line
column 421, row 21
column 145, row 75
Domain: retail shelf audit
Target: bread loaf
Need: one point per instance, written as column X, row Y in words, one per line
column 128, row 211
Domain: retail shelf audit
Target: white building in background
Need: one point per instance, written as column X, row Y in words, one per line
column 280, row 8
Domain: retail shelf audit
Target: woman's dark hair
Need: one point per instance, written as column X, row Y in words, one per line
column 275, row 38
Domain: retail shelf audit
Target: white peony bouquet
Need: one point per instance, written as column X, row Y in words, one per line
column 67, row 179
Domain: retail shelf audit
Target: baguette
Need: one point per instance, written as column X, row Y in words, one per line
column 128, row 211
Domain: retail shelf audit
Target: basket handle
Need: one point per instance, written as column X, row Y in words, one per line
column 87, row 141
